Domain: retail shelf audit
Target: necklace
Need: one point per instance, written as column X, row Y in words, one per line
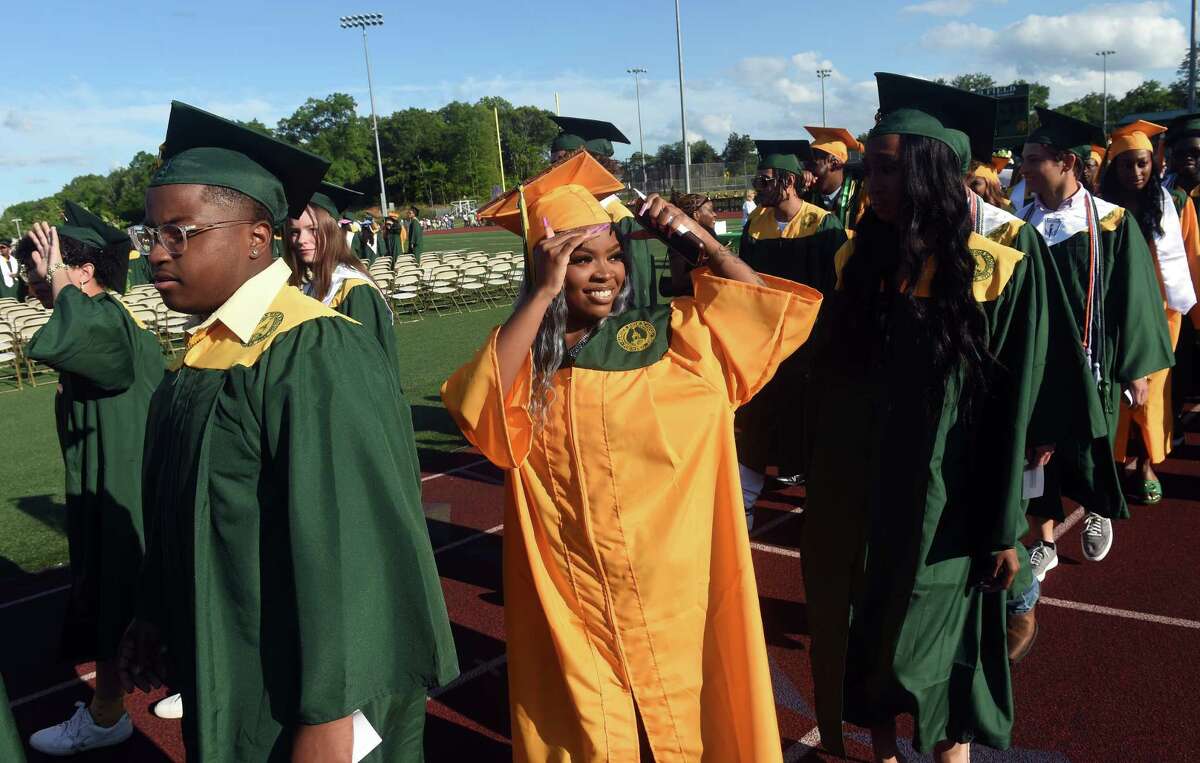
column 573, row 351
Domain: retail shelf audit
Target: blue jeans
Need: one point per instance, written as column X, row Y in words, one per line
column 1022, row 603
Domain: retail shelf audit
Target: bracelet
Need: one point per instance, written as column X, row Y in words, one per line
column 54, row 269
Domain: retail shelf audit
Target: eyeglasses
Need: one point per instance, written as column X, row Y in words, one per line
column 762, row 181
column 173, row 238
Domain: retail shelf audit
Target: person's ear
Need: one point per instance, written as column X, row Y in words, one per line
column 87, row 271
column 262, row 237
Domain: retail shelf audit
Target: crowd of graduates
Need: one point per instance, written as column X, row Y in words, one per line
column 939, row 360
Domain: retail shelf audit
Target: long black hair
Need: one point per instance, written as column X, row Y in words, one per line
column 934, row 226
column 1148, row 200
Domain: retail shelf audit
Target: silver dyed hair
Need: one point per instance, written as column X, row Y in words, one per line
column 549, row 346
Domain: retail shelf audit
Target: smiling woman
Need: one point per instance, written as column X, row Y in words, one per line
column 627, row 571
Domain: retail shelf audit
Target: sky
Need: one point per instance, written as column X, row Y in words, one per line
column 86, row 86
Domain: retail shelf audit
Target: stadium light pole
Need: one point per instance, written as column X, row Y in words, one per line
column 17, row 223
column 1104, row 54
column 362, row 21
column 1192, row 63
column 687, row 154
column 822, row 75
column 637, row 89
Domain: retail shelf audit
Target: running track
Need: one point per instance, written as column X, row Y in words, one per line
column 1113, row 677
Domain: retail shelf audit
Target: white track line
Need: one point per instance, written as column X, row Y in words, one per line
column 468, row 539
column 56, row 688
column 32, row 597
column 1114, row 612
column 1067, row 524
column 455, row 470
column 803, row 746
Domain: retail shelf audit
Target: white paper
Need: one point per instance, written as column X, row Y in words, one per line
column 719, row 227
column 366, row 738
column 1034, row 483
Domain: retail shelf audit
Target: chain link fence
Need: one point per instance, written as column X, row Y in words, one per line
column 729, row 177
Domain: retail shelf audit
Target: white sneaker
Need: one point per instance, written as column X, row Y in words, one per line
column 170, row 707
column 80, row 733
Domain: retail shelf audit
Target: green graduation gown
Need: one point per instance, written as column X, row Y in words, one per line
column 416, row 239
column 109, row 366
column 1135, row 344
column 770, row 426
column 11, row 748
column 139, row 271
column 358, row 299
column 288, row 563
column 17, row 289
column 907, row 501
column 392, row 245
column 845, row 205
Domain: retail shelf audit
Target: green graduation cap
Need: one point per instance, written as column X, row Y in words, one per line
column 87, row 228
column 205, row 149
column 1183, row 126
column 961, row 110
column 592, row 134
column 334, row 199
column 786, row 155
column 1068, row 133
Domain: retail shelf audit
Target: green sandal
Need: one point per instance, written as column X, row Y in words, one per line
column 1151, row 492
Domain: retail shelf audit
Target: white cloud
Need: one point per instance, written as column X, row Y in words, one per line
column 1157, row 40
column 941, row 7
column 1141, row 34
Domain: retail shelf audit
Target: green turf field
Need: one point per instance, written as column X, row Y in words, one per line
column 31, row 478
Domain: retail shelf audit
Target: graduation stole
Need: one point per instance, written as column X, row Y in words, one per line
column 634, row 339
column 973, row 207
column 1093, row 320
column 849, row 189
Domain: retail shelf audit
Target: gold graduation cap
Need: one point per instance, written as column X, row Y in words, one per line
column 1133, row 136
column 565, row 196
column 837, row 141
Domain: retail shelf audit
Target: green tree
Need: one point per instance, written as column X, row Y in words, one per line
column 331, row 127
column 972, row 81
column 1148, row 96
column 738, row 148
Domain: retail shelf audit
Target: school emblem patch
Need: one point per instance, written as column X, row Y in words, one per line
column 985, row 264
column 810, row 220
column 636, row 336
column 267, row 326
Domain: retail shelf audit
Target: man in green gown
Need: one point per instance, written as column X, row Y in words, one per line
column 1108, row 275
column 109, row 365
column 416, row 237
column 836, row 188
column 915, row 471
column 393, row 239
column 289, row 586
column 790, row 238
column 11, row 285
column 139, row 270
column 597, row 138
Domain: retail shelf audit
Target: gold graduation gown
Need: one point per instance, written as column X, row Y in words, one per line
column 627, row 568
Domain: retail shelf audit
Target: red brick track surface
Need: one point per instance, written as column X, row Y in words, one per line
column 1113, row 677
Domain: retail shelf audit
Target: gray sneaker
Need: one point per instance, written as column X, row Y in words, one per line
column 1097, row 536
column 1042, row 559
